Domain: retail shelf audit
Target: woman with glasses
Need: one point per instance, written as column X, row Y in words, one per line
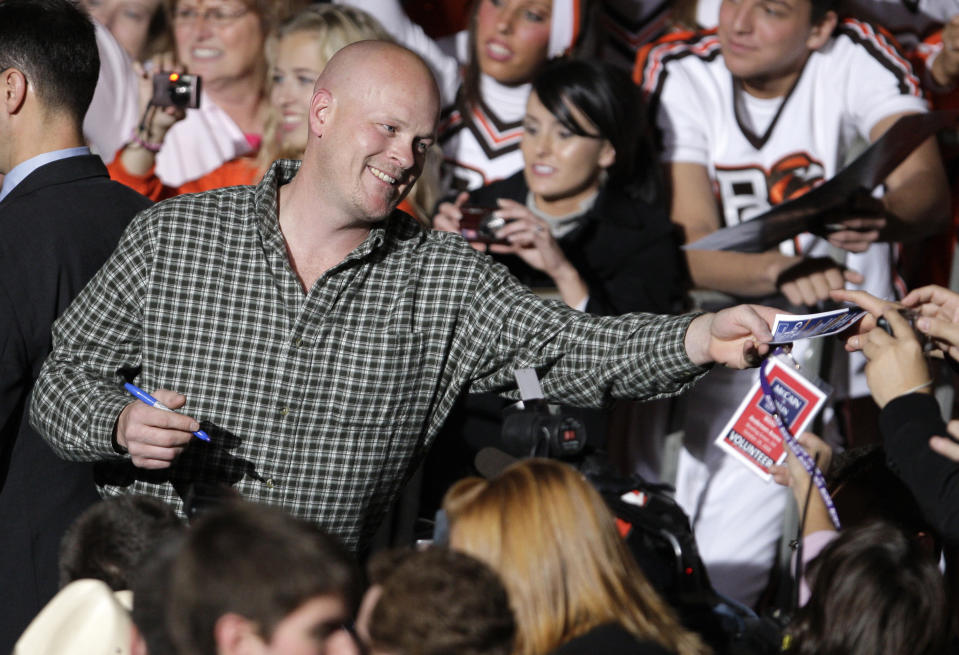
column 223, row 42
column 298, row 52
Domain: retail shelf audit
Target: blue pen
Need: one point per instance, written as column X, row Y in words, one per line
column 153, row 402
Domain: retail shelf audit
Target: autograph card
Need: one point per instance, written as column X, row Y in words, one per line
column 793, row 327
column 752, row 435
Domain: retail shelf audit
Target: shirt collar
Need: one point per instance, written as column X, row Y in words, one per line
column 268, row 212
column 19, row 172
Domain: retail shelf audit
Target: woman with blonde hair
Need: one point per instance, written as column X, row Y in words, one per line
column 298, row 52
column 572, row 582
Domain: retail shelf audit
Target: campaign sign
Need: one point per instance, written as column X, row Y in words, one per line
column 752, row 435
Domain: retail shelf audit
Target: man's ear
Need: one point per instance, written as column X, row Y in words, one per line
column 236, row 635
column 13, row 86
column 321, row 109
column 822, row 31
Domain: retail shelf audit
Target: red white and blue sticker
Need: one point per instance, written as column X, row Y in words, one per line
column 752, row 434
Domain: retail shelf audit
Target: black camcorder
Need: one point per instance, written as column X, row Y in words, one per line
column 534, row 428
column 176, row 90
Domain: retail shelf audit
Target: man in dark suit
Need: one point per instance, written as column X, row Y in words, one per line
column 60, row 218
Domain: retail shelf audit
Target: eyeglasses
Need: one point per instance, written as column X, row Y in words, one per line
column 215, row 15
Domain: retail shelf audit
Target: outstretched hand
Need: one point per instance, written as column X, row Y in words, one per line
column 794, row 476
column 737, row 337
column 857, row 224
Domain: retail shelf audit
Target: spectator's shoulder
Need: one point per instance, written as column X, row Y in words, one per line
column 210, row 208
column 434, row 248
column 655, row 60
column 856, row 38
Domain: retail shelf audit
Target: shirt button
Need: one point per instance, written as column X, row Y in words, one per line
column 297, row 342
column 269, row 483
column 284, row 411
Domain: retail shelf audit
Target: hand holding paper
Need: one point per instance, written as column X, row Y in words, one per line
column 737, row 337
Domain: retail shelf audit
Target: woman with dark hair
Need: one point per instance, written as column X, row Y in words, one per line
column 874, row 591
column 586, row 214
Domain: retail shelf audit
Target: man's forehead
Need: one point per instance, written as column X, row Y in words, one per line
column 404, row 99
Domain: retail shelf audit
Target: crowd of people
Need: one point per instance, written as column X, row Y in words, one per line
column 329, row 241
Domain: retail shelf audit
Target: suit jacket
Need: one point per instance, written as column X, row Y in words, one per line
column 57, row 227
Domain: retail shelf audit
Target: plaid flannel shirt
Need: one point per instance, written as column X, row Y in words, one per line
column 319, row 402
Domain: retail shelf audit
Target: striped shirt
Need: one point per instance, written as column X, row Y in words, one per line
column 320, row 402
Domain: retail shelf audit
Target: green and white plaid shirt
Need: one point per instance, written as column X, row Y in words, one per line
column 320, row 403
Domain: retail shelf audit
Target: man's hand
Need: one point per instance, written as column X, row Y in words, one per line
column 810, row 280
column 855, row 225
column 856, row 234
column 737, row 337
column 896, row 362
column 945, row 67
column 153, row 437
column 944, row 445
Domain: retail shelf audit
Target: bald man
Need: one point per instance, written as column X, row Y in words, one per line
column 319, row 336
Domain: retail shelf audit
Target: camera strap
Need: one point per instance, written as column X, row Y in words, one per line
column 528, row 383
column 792, row 443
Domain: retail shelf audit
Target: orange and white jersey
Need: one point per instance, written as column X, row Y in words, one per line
column 760, row 152
column 628, row 25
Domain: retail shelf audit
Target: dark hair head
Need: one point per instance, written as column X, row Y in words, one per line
column 614, row 107
column 875, row 592
column 255, row 561
column 864, row 488
column 108, row 540
column 151, row 588
column 54, row 45
column 439, row 601
column 821, row 7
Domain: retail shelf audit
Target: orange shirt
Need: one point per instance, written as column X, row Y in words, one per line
column 242, row 170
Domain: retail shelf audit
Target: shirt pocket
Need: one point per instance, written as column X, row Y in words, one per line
column 380, row 382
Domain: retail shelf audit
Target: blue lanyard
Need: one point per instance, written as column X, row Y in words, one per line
column 800, row 453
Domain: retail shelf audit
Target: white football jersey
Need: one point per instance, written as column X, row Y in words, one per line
column 760, row 152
